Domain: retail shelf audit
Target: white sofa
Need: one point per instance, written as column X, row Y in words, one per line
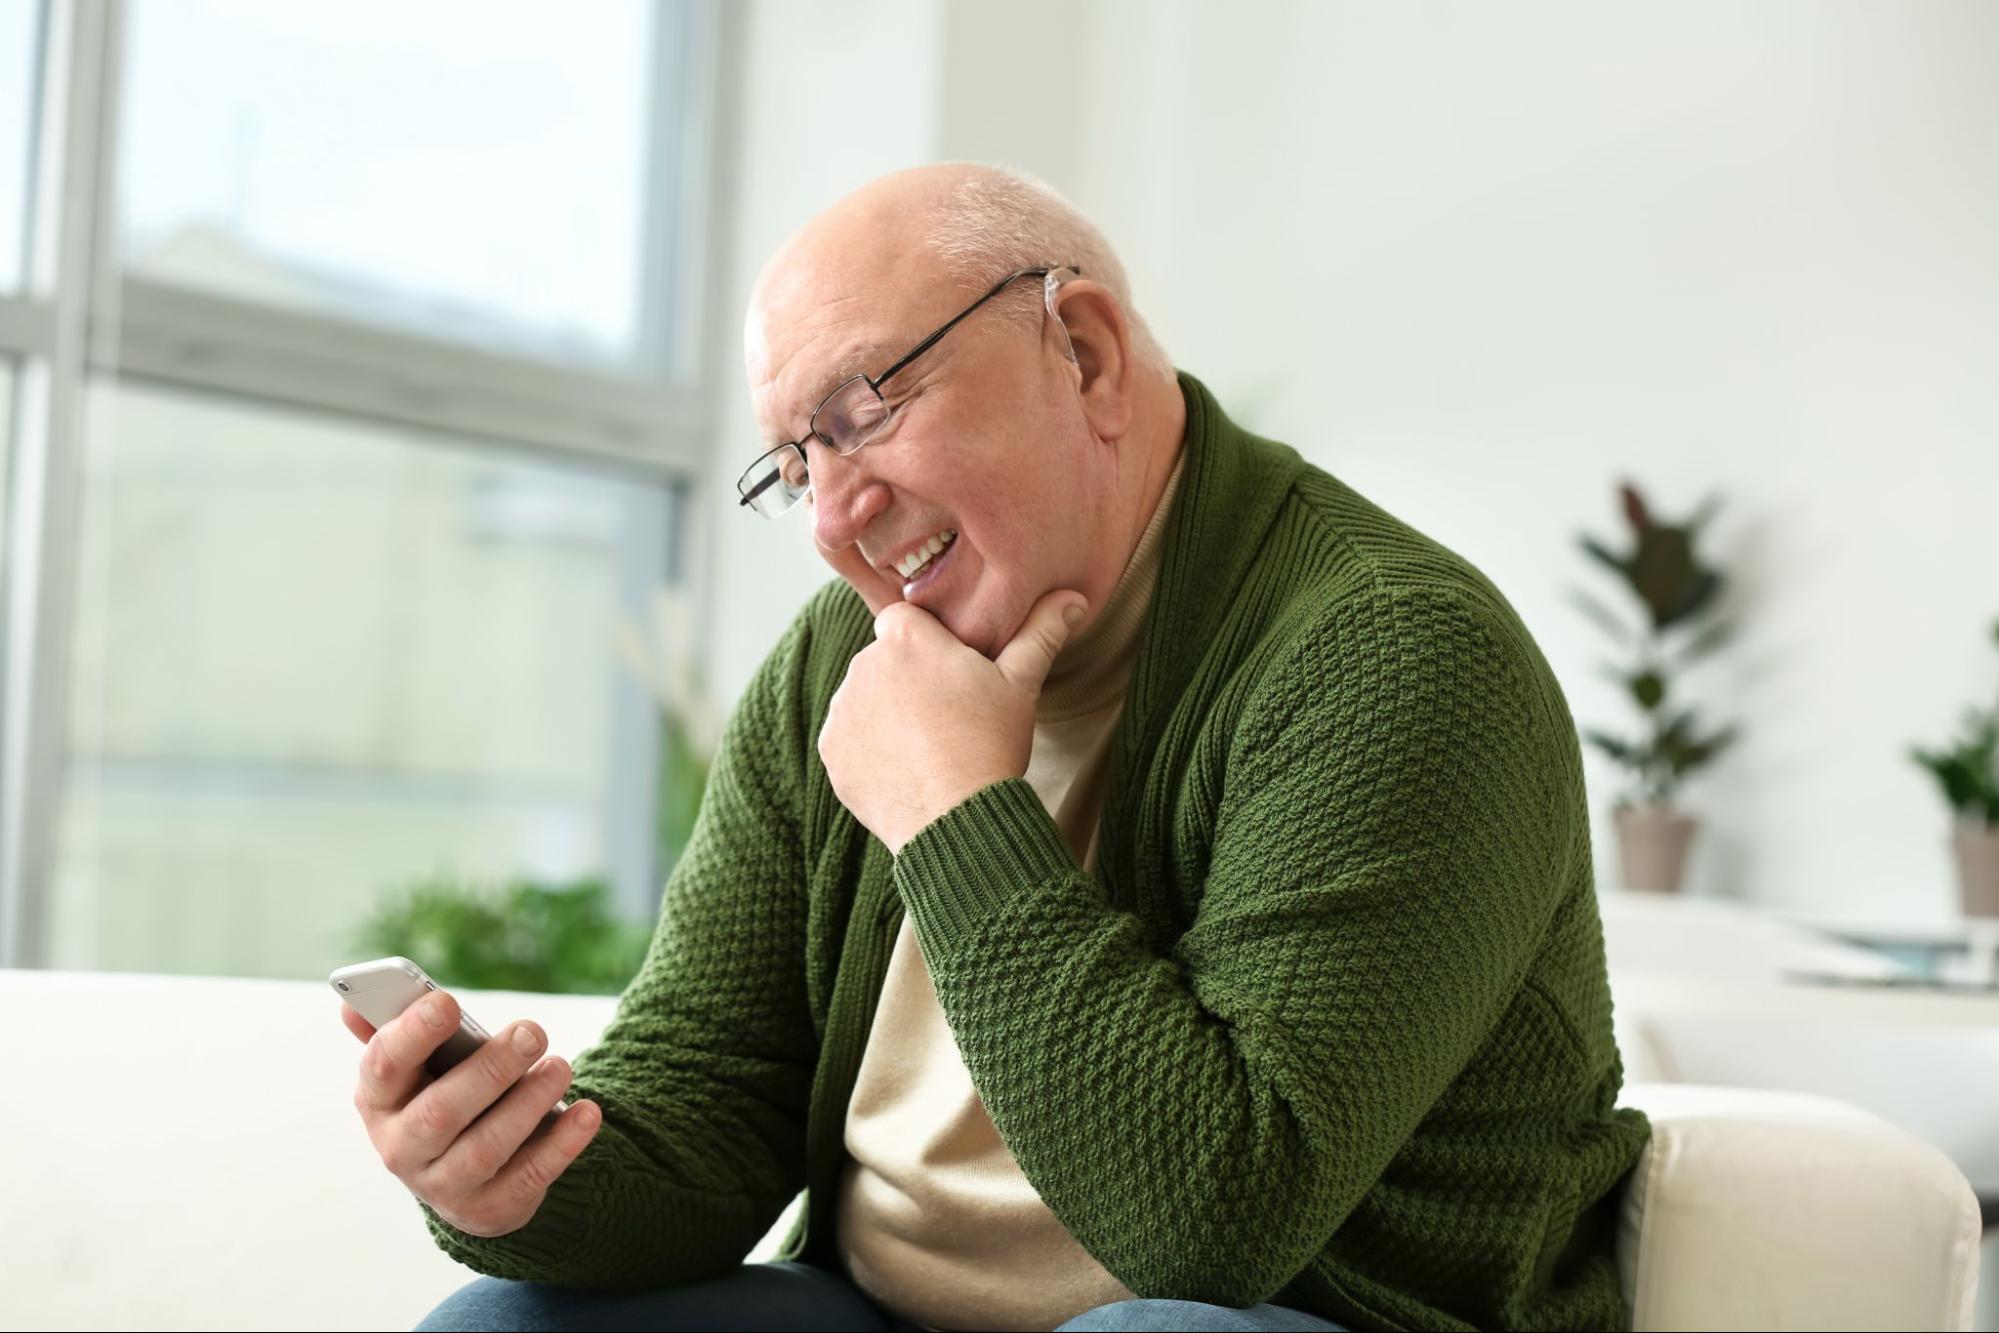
column 1706, row 991
column 181, row 1152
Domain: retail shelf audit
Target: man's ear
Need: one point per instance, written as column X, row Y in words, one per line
column 1100, row 336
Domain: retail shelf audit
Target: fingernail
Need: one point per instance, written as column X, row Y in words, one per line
column 1072, row 616
column 433, row 1012
column 525, row 1041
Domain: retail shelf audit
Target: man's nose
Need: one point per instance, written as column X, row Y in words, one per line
column 845, row 499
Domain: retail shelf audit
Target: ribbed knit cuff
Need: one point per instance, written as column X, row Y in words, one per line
column 538, row 1252
column 971, row 861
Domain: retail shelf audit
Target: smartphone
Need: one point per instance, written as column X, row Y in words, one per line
column 380, row 990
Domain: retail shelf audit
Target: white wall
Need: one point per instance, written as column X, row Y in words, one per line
column 826, row 97
column 1482, row 261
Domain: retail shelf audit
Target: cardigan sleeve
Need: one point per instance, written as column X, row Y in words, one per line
column 705, row 1071
column 1383, row 863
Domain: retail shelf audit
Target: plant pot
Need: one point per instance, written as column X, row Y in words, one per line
column 1652, row 843
column 1977, row 847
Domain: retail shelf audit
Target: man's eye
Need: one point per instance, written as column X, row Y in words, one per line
column 897, row 402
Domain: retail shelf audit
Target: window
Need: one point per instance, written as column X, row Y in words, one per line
column 317, row 661
column 472, row 169
column 355, row 382
column 19, row 30
column 6, row 460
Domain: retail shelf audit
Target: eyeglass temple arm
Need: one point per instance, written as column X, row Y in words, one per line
column 757, row 490
column 931, row 341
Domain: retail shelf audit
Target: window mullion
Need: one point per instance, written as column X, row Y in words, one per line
column 75, row 126
column 27, row 327
column 200, row 340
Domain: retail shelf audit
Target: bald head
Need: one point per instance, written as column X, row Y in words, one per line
column 1039, row 444
column 857, row 254
column 964, row 223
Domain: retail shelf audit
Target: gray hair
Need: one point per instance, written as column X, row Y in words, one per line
column 1000, row 218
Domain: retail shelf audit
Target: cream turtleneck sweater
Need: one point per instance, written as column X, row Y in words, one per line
column 937, row 1222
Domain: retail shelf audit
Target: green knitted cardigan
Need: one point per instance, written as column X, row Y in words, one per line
column 1329, row 1026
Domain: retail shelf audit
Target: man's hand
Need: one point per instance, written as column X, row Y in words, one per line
column 474, row 1144
column 922, row 722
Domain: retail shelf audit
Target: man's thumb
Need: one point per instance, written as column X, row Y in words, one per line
column 1027, row 659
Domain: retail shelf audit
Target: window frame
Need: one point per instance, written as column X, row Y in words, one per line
column 78, row 318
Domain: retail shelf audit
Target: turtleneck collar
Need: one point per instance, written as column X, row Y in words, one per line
column 1092, row 669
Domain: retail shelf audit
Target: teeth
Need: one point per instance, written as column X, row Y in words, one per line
column 922, row 555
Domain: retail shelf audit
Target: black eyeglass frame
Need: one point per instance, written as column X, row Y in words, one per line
column 874, row 384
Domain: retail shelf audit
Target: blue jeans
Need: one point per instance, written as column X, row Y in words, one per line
column 788, row 1296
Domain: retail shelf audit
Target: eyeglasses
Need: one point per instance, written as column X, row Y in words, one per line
column 855, row 412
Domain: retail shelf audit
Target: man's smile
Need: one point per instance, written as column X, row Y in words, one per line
column 918, row 553
column 927, row 564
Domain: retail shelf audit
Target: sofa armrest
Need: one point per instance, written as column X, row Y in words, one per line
column 1754, row 1209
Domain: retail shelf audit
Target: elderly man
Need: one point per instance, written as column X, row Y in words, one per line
column 1150, row 888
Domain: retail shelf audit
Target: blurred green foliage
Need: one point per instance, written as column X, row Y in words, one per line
column 683, row 777
column 1968, row 771
column 525, row 935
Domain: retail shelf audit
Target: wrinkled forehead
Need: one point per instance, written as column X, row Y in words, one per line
column 815, row 320
column 815, row 363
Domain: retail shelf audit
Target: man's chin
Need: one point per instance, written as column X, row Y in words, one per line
column 983, row 635
column 970, row 628
column 970, row 624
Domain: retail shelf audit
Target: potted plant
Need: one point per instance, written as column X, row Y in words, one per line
column 1969, row 774
column 1673, row 590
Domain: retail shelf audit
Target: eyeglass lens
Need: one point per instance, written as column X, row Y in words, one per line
column 848, row 419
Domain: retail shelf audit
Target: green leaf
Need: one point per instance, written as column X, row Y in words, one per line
column 1649, row 689
column 1636, row 512
column 1677, row 728
column 1597, row 549
column 1610, row 745
column 1701, row 588
column 1690, row 754
column 1705, row 642
column 1602, row 615
column 1704, row 514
